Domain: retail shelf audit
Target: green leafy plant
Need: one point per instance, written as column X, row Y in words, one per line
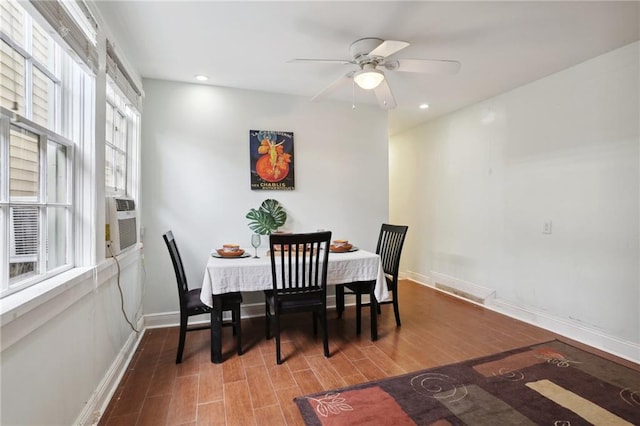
column 267, row 218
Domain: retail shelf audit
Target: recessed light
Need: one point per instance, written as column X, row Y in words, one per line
column 201, row 77
column 424, row 106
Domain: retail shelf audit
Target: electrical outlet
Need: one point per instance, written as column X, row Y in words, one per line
column 546, row 227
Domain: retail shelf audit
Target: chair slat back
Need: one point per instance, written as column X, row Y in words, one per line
column 299, row 262
column 181, row 277
column 390, row 243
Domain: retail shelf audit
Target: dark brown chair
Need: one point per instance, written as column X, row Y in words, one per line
column 390, row 242
column 190, row 303
column 299, row 274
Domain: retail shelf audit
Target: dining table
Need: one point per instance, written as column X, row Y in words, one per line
column 247, row 273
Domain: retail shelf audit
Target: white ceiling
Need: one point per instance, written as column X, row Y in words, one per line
column 501, row 45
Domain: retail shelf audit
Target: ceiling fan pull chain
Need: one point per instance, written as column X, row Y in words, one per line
column 353, row 94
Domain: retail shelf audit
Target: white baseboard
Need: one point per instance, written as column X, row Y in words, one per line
column 417, row 278
column 172, row 319
column 462, row 288
column 100, row 398
column 168, row 319
column 570, row 329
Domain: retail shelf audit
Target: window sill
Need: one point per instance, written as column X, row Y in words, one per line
column 20, row 303
column 23, row 312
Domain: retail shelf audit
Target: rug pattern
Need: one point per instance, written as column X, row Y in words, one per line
column 551, row 383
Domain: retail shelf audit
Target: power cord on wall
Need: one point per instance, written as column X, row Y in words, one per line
column 124, row 313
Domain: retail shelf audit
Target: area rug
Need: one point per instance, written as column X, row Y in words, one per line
column 546, row 384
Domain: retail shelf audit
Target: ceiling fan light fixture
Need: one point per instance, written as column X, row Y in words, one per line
column 368, row 78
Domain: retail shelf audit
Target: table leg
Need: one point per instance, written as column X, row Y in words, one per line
column 374, row 311
column 216, row 330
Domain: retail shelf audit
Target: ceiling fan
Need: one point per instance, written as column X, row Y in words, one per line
column 371, row 55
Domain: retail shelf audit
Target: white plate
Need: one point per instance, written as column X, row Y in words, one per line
column 216, row 255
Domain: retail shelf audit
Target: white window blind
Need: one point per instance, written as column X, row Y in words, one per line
column 55, row 13
column 121, row 78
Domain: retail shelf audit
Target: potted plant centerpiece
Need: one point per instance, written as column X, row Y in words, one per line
column 267, row 218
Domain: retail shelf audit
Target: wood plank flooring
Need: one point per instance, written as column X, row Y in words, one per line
column 251, row 389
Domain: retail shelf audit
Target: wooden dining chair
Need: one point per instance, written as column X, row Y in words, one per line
column 190, row 303
column 390, row 243
column 299, row 282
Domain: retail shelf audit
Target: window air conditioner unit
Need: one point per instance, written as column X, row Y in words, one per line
column 121, row 226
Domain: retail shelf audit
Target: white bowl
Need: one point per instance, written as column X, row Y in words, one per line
column 340, row 243
column 230, row 248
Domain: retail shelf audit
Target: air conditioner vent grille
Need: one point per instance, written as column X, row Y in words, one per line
column 127, row 232
column 124, row 205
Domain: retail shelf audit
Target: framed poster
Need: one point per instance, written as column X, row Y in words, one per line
column 271, row 155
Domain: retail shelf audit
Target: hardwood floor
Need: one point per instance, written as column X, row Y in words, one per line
column 251, row 389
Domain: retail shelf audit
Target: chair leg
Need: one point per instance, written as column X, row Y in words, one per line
column 277, row 333
column 325, row 331
column 396, row 309
column 358, row 313
column 340, row 300
column 267, row 320
column 181, row 339
column 373, row 306
column 315, row 323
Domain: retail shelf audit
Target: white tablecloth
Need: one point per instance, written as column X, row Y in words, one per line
column 248, row 274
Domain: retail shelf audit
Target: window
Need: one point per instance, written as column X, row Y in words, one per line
column 36, row 162
column 42, row 108
column 122, row 128
column 116, row 143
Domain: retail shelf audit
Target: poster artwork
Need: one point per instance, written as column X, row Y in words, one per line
column 271, row 155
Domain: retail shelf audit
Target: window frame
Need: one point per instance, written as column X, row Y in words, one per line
column 121, row 106
column 71, row 125
column 42, row 204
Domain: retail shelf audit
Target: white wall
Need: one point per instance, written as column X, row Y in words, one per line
column 196, row 181
column 62, row 359
column 64, row 342
column 68, row 351
column 482, row 181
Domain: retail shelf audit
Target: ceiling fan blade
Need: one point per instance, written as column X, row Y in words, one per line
column 333, row 86
column 384, row 95
column 335, row 61
column 388, row 48
column 427, row 66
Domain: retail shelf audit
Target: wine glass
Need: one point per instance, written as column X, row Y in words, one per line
column 255, row 242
